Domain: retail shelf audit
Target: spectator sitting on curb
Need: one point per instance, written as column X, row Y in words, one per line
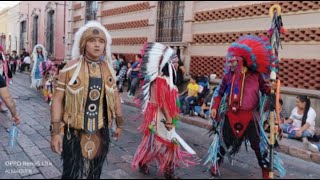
column 189, row 95
column 283, row 116
column 203, row 111
column 301, row 123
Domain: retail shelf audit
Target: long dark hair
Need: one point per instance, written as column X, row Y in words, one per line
column 305, row 99
column 165, row 71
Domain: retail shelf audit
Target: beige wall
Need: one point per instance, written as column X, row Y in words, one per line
column 126, row 49
column 13, row 28
column 302, row 20
column 3, row 27
column 136, row 32
column 132, row 16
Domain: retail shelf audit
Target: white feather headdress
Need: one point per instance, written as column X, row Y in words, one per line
column 44, row 52
column 154, row 59
column 37, row 82
column 76, row 45
column 76, row 48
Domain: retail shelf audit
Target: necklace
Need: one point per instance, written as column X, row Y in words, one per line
column 93, row 64
column 91, row 61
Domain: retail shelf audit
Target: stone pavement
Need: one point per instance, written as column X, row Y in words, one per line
column 33, row 158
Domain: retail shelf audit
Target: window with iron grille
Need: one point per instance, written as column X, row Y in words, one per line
column 35, row 31
column 170, row 21
column 10, row 43
column 90, row 10
column 50, row 32
column 23, row 34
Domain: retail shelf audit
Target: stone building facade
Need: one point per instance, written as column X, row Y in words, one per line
column 201, row 31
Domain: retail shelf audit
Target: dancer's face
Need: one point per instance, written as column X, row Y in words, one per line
column 233, row 65
column 39, row 50
column 95, row 47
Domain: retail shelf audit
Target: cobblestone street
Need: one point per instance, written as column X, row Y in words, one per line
column 33, row 159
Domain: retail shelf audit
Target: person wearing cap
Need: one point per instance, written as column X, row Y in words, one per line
column 85, row 104
column 236, row 103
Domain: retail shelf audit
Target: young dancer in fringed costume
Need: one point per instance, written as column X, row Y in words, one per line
column 39, row 55
column 239, row 104
column 85, row 103
column 159, row 103
column 48, row 73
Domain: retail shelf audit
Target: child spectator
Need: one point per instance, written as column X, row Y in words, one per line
column 189, row 95
column 203, row 111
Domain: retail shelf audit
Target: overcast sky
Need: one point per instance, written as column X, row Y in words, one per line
column 5, row 4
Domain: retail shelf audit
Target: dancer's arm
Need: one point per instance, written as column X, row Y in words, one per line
column 57, row 115
column 8, row 100
column 119, row 117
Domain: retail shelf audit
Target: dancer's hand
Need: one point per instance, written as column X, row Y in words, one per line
column 16, row 119
column 117, row 133
column 56, row 143
column 213, row 113
column 169, row 126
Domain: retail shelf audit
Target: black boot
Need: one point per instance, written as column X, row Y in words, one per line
column 169, row 174
column 144, row 169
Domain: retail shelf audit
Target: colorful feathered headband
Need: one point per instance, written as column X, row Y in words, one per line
column 256, row 52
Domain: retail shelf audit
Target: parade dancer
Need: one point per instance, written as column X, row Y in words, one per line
column 159, row 103
column 48, row 73
column 85, row 104
column 238, row 104
column 39, row 55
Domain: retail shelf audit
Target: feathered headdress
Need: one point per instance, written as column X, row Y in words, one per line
column 77, row 38
column 44, row 52
column 256, row 52
column 37, row 82
column 76, row 48
column 154, row 58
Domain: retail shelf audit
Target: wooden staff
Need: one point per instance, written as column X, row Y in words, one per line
column 275, row 33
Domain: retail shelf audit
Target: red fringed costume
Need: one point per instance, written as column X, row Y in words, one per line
column 159, row 103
